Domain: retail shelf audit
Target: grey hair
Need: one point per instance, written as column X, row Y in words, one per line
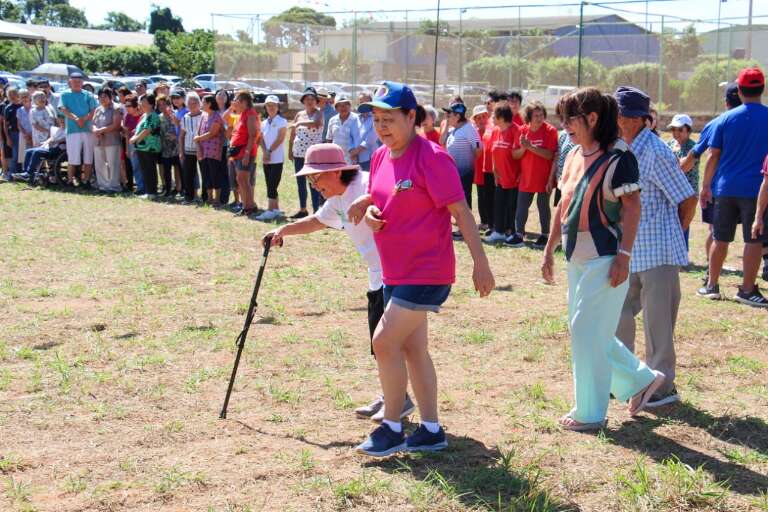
column 191, row 95
column 432, row 111
column 38, row 94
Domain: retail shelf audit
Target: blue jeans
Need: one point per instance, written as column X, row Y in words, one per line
column 138, row 177
column 35, row 156
column 301, row 182
column 13, row 163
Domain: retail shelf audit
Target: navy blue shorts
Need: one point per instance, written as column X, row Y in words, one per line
column 417, row 297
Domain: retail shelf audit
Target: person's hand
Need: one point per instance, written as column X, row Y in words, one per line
column 276, row 236
column 80, row 122
column 706, row 196
column 483, row 279
column 132, row 140
column 551, row 184
column 758, row 227
column 373, row 218
column 548, row 266
column 619, row 271
column 524, row 142
column 196, row 138
column 357, row 209
column 267, row 156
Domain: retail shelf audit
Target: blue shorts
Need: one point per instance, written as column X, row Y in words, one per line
column 417, row 297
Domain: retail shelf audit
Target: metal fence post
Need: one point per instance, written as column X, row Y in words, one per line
column 581, row 41
column 660, row 96
column 354, row 49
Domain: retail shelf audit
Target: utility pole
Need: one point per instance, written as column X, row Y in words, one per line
column 461, row 53
column 434, row 71
column 581, row 42
column 749, row 32
column 354, row 48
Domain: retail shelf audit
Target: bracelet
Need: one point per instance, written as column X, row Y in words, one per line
column 625, row 253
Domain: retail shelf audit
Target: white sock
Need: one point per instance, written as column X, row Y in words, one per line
column 432, row 426
column 396, row 426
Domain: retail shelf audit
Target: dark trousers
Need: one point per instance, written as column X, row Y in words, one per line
column 188, row 175
column 466, row 184
column 225, row 190
column 301, row 182
column 524, row 200
column 504, row 205
column 148, row 162
column 485, row 193
column 375, row 310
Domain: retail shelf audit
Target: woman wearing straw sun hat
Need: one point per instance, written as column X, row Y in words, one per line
column 341, row 184
column 413, row 192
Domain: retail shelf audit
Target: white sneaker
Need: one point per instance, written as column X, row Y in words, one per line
column 408, row 408
column 495, row 238
column 268, row 215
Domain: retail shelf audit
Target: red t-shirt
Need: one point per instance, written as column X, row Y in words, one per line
column 478, row 178
column 518, row 120
column 534, row 169
column 507, row 168
column 433, row 136
column 490, row 134
column 240, row 134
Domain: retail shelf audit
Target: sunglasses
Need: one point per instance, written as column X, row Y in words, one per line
column 314, row 179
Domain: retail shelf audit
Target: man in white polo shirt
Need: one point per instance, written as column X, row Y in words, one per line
column 341, row 184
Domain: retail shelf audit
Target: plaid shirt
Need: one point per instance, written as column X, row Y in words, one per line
column 660, row 238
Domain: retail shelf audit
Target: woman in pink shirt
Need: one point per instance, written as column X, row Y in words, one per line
column 413, row 191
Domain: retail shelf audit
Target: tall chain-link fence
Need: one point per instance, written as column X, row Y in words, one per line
column 682, row 64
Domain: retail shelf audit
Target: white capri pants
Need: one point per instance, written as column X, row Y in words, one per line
column 77, row 143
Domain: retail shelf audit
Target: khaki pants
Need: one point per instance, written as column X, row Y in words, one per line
column 107, row 163
column 655, row 292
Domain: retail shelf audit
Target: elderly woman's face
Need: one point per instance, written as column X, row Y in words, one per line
column 429, row 123
column 537, row 118
column 393, row 127
column 310, row 102
column 104, row 100
column 193, row 105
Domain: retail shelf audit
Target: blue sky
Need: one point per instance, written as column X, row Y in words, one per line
column 196, row 16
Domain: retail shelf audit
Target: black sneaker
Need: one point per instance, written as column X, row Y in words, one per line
column 661, row 399
column 765, row 271
column 753, row 298
column 514, row 240
column 488, row 232
column 299, row 215
column 382, row 442
column 457, row 236
column 422, row 440
column 709, row 292
column 540, row 242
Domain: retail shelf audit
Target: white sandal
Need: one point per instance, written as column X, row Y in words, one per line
column 581, row 427
column 648, row 392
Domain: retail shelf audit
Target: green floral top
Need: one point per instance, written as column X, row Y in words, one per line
column 681, row 151
column 152, row 142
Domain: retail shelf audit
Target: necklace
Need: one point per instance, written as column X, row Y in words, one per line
column 586, row 155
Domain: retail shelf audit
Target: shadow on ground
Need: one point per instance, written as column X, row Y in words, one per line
column 749, row 432
column 478, row 477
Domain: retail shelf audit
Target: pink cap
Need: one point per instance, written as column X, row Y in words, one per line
column 325, row 158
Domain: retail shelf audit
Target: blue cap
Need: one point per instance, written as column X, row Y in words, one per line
column 632, row 102
column 390, row 96
column 732, row 94
column 456, row 108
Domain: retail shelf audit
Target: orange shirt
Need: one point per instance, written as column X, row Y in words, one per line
column 534, row 169
column 507, row 168
column 433, row 136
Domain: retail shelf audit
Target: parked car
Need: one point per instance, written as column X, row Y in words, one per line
column 206, row 81
column 155, row 79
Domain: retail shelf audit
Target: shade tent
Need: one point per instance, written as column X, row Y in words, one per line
column 14, row 31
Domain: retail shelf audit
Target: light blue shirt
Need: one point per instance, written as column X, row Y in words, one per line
column 345, row 134
column 328, row 112
column 660, row 240
column 369, row 139
column 81, row 104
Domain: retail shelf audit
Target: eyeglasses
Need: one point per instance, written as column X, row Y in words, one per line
column 313, row 179
column 571, row 119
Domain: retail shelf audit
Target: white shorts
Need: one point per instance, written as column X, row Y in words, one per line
column 77, row 143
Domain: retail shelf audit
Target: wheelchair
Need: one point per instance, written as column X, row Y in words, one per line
column 52, row 171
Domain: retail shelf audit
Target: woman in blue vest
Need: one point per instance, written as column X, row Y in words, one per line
column 597, row 218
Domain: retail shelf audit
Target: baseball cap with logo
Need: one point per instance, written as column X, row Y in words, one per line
column 325, row 157
column 390, row 96
column 680, row 120
column 751, row 77
column 456, row 108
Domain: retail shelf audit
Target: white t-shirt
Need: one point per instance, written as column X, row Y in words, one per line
column 333, row 214
column 191, row 124
column 270, row 128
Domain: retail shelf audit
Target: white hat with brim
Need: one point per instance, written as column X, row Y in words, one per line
column 680, row 120
column 322, row 92
column 272, row 99
column 325, row 157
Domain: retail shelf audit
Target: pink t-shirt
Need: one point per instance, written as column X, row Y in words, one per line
column 415, row 245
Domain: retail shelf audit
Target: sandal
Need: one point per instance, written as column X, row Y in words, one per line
column 580, row 427
column 647, row 393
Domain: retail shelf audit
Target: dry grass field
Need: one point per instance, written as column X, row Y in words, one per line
column 116, row 341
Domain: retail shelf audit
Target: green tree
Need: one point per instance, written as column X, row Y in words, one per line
column 62, row 15
column 702, row 92
column 189, row 53
column 296, row 27
column 11, row 11
column 162, row 19
column 243, row 59
column 644, row 75
column 121, row 22
column 501, row 71
column 681, row 50
column 16, row 56
column 131, row 60
column 563, row 71
column 80, row 56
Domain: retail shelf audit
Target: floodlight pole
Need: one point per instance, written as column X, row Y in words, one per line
column 581, row 41
column 434, row 71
